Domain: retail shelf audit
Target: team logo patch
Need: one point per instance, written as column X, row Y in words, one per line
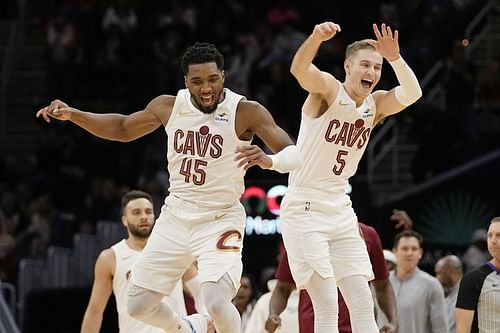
column 204, row 130
column 359, row 123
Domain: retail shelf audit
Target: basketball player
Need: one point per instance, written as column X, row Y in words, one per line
column 382, row 291
column 113, row 266
column 319, row 226
column 209, row 131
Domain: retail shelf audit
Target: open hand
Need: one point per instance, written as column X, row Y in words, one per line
column 402, row 219
column 387, row 42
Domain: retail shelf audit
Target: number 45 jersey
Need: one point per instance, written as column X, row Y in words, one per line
column 201, row 151
column 333, row 144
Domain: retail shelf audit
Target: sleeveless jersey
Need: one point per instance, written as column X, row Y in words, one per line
column 125, row 258
column 201, row 152
column 333, row 144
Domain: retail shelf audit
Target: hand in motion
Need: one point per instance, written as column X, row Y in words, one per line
column 57, row 109
column 389, row 328
column 248, row 156
column 402, row 219
column 325, row 31
column 273, row 323
column 387, row 42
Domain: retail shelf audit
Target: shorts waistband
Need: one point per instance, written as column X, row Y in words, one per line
column 175, row 201
column 340, row 191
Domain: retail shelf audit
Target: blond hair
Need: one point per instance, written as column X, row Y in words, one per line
column 353, row 48
column 495, row 219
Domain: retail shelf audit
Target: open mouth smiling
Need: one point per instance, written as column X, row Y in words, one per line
column 366, row 83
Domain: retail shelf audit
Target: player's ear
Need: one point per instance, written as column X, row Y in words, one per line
column 347, row 66
column 185, row 81
column 124, row 220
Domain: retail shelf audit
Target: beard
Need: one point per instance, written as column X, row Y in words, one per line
column 207, row 109
column 140, row 232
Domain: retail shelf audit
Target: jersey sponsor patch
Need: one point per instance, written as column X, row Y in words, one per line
column 221, row 117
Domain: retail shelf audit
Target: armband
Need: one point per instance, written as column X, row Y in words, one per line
column 286, row 160
column 409, row 91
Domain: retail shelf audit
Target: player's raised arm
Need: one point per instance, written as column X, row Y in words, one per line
column 113, row 126
column 307, row 74
column 408, row 91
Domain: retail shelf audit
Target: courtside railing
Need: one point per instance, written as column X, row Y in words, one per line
column 388, row 135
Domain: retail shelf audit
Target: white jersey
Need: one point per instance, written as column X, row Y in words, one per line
column 201, row 152
column 333, row 144
column 125, row 258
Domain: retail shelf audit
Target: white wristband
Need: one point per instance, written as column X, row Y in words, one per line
column 409, row 89
column 286, row 160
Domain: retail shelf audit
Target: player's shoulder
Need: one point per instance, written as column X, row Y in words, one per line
column 251, row 111
column 379, row 93
column 161, row 107
column 162, row 101
column 246, row 105
column 107, row 256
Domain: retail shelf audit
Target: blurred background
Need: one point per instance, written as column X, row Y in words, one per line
column 60, row 187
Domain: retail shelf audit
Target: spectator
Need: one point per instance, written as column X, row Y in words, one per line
column 477, row 252
column 449, row 273
column 62, row 47
column 245, row 298
column 459, row 80
column 419, row 296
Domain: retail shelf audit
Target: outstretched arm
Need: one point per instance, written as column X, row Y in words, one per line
column 101, row 290
column 409, row 91
column 307, row 74
column 113, row 126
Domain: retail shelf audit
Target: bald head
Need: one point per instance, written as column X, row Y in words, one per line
column 449, row 271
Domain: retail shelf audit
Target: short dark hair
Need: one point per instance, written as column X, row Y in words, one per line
column 132, row 195
column 356, row 46
column 201, row 53
column 406, row 234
